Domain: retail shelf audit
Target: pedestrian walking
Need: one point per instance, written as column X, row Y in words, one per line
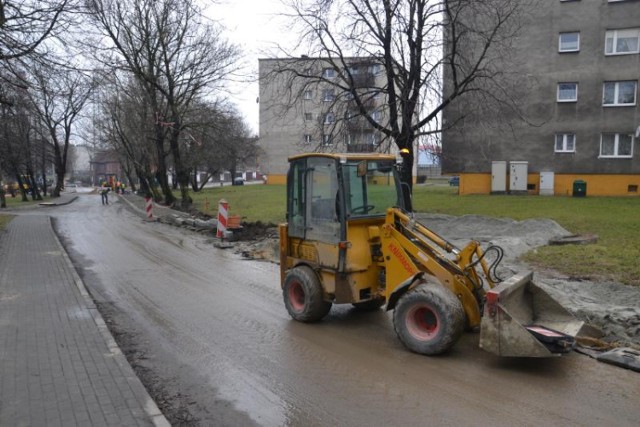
column 104, row 194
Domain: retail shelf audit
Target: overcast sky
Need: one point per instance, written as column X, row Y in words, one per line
column 254, row 26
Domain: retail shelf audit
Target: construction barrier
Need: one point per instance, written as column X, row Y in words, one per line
column 223, row 215
column 149, row 207
column 234, row 222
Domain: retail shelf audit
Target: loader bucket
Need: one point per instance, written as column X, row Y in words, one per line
column 522, row 320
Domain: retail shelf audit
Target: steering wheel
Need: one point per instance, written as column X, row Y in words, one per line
column 362, row 209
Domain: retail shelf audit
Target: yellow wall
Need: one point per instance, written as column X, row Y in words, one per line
column 475, row 183
column 597, row 185
column 277, row 179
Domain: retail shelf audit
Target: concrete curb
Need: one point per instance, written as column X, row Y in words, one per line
column 66, row 202
column 149, row 405
column 137, row 210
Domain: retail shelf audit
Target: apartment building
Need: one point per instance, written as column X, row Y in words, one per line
column 581, row 59
column 307, row 105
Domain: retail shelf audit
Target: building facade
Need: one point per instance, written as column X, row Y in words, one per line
column 306, row 106
column 582, row 60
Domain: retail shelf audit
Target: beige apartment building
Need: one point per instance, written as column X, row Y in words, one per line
column 307, row 105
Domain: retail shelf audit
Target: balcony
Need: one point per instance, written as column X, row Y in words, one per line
column 361, row 148
column 363, row 80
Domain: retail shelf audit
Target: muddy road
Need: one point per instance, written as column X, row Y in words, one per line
column 209, row 335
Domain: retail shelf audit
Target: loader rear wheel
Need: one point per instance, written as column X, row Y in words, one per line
column 303, row 296
column 429, row 319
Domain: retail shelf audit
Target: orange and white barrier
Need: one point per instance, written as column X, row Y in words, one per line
column 149, row 207
column 223, row 215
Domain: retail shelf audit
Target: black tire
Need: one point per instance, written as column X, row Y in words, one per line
column 429, row 319
column 302, row 292
column 372, row 304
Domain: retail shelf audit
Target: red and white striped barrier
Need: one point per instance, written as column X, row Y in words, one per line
column 223, row 215
column 149, row 207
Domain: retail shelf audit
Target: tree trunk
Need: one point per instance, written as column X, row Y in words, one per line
column 60, row 169
column 43, row 168
column 23, row 192
column 181, row 172
column 132, row 184
column 35, row 192
column 406, row 172
column 161, row 171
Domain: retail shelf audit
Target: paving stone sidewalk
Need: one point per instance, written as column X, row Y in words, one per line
column 59, row 364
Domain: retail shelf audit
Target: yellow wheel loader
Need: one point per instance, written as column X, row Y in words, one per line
column 348, row 240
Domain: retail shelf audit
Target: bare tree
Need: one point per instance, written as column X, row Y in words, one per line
column 126, row 124
column 18, row 143
column 415, row 42
column 24, row 27
column 216, row 138
column 57, row 97
column 176, row 55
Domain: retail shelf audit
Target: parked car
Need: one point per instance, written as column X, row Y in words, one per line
column 454, row 181
column 238, row 181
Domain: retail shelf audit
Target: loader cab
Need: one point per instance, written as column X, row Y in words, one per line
column 327, row 191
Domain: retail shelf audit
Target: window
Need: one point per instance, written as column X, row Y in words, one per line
column 308, row 116
column 328, row 73
column 329, row 118
column 308, row 94
column 569, row 42
column 375, row 69
column 354, row 70
column 616, row 145
column 376, row 116
column 622, row 42
column 307, row 139
column 619, row 93
column 565, row 143
column 326, row 139
column 371, row 138
column 567, row 92
column 351, row 114
column 328, row 95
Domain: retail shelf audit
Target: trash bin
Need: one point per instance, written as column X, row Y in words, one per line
column 579, row 188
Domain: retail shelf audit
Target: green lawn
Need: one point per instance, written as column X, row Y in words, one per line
column 265, row 203
column 614, row 219
column 15, row 202
column 4, row 220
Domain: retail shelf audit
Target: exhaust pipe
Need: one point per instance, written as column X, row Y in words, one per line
column 522, row 320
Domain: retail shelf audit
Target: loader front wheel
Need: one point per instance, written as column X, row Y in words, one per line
column 429, row 319
column 303, row 296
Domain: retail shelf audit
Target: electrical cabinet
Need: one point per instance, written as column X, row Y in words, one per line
column 518, row 176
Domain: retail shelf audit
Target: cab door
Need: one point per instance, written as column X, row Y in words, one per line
column 313, row 210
